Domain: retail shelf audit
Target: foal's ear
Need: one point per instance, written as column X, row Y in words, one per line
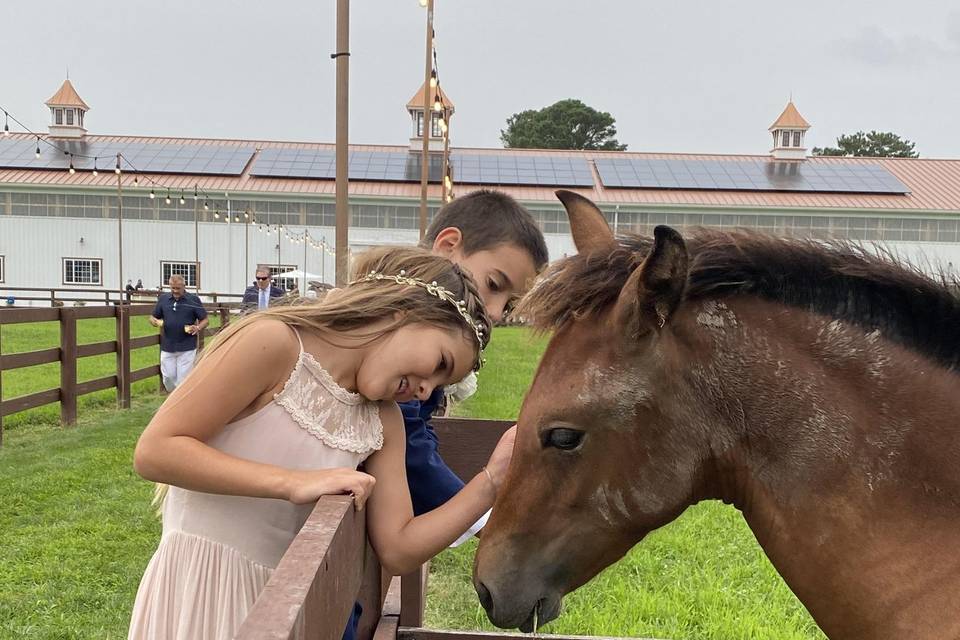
column 656, row 287
column 587, row 225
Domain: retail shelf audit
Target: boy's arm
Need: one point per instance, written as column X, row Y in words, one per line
column 431, row 481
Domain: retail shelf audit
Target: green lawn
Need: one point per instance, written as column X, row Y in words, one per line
column 77, row 532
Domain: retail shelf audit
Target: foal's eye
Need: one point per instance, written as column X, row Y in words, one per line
column 561, row 438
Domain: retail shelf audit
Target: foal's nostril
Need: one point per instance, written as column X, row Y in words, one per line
column 484, row 594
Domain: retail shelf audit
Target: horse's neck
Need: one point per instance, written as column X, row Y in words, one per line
column 844, row 469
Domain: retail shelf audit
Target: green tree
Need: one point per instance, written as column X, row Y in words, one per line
column 568, row 124
column 876, row 144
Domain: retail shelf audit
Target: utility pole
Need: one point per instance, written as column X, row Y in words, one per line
column 342, row 56
column 427, row 123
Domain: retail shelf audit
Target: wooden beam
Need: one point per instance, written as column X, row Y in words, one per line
column 413, row 596
column 29, row 358
column 317, row 580
column 97, row 384
column 84, row 313
column 96, row 348
column 68, row 366
column 144, row 341
column 18, row 316
column 30, row 401
column 466, row 444
column 437, row 634
column 146, row 372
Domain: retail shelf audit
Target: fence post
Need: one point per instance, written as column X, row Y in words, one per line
column 68, row 366
column 1, row 385
column 123, row 356
column 224, row 317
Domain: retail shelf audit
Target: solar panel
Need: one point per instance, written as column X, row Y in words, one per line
column 404, row 166
column 148, row 157
column 748, row 175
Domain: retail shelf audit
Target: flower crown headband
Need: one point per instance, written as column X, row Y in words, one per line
column 435, row 290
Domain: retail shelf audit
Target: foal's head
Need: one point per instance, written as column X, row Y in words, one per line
column 592, row 490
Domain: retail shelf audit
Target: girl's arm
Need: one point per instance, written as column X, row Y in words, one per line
column 173, row 450
column 401, row 541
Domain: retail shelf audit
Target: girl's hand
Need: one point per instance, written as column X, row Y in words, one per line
column 500, row 458
column 307, row 486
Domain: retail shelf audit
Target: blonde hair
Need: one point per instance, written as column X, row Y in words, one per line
column 364, row 302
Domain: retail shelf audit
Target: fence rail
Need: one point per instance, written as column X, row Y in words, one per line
column 70, row 352
column 57, row 296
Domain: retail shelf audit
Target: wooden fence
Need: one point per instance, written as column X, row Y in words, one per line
column 58, row 297
column 69, row 352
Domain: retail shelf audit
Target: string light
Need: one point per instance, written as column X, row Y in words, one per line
column 182, row 199
column 433, row 78
column 423, row 3
column 206, row 206
column 216, row 214
column 94, row 167
column 116, row 169
column 136, row 180
column 38, row 148
column 437, row 103
column 152, row 194
column 6, row 123
column 71, row 169
column 167, row 199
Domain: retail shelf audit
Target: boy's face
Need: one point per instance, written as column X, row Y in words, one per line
column 502, row 273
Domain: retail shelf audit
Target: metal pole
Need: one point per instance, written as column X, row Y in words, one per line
column 427, row 123
column 226, row 196
column 323, row 272
column 246, row 246
column 196, row 239
column 446, row 156
column 279, row 231
column 342, row 56
column 303, row 291
column 120, row 228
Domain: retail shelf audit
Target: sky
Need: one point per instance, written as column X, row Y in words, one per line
column 678, row 76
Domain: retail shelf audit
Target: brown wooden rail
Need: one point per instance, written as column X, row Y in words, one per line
column 69, row 352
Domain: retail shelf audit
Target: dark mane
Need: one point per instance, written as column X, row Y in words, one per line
column 836, row 279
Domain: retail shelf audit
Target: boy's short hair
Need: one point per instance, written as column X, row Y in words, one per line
column 487, row 219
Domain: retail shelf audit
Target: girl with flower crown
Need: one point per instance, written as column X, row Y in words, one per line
column 280, row 410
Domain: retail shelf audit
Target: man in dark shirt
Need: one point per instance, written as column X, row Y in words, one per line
column 180, row 316
column 260, row 294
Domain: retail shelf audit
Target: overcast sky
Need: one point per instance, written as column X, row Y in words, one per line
column 690, row 76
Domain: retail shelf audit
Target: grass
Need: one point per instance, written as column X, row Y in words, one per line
column 77, row 533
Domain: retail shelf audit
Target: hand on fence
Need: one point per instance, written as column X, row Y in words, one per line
column 500, row 458
column 307, row 486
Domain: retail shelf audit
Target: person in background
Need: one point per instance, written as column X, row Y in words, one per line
column 259, row 294
column 139, row 284
column 129, row 288
column 180, row 316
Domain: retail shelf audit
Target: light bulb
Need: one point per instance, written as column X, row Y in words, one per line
column 437, row 104
column 38, row 147
column 152, row 194
column 206, row 206
column 423, row 3
column 433, row 78
column 95, row 172
column 116, row 169
column 216, row 214
column 136, row 181
column 182, row 199
column 72, row 170
column 447, row 182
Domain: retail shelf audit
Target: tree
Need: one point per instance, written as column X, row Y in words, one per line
column 876, row 144
column 568, row 124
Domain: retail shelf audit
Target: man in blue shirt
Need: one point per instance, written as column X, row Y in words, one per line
column 180, row 316
column 495, row 239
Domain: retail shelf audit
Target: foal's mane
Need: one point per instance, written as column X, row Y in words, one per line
column 842, row 280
